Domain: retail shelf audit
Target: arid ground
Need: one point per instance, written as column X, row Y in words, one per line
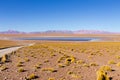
column 63, row 61
column 7, row 43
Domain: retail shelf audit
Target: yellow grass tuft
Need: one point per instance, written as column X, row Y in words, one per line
column 118, row 64
column 31, row 76
column 21, row 69
column 106, row 68
column 111, row 62
column 2, row 68
column 93, row 64
column 80, row 62
column 69, row 60
column 51, row 79
column 101, row 75
column 49, row 69
column 4, row 58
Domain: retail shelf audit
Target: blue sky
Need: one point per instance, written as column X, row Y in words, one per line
column 42, row 15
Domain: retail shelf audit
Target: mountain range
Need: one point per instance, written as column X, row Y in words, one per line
column 58, row 31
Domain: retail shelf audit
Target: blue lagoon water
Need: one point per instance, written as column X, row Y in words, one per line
column 60, row 38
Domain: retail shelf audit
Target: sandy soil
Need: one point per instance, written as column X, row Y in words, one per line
column 8, row 43
column 63, row 61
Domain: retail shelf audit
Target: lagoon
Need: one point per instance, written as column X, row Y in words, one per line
column 61, row 38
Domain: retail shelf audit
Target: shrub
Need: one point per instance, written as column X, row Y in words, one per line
column 69, row 60
column 51, row 79
column 4, row 58
column 46, row 61
column 62, row 78
column 93, row 64
column 20, row 64
column 2, row 68
column 80, row 62
column 53, row 54
column 61, row 59
column 111, row 62
column 31, row 76
column 49, row 70
column 27, row 60
column 118, row 57
column 86, row 65
column 101, row 75
column 37, row 66
column 21, row 70
column 74, row 75
column 106, row 68
column 118, row 64
column 70, row 72
column 61, row 65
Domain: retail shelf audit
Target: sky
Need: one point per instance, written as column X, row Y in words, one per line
column 43, row 15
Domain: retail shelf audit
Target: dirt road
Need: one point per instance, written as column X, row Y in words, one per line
column 8, row 50
column 11, row 49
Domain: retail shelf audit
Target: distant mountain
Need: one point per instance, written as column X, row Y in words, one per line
column 92, row 32
column 12, row 32
column 59, row 32
column 38, row 32
column 53, row 31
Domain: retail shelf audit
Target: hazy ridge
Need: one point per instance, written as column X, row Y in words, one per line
column 60, row 31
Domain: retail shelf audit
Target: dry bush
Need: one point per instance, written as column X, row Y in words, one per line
column 31, row 76
column 111, row 62
column 4, row 58
column 101, row 75
column 21, row 69
column 51, row 79
column 49, row 69
column 2, row 68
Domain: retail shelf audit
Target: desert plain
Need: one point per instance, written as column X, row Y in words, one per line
column 61, row 60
